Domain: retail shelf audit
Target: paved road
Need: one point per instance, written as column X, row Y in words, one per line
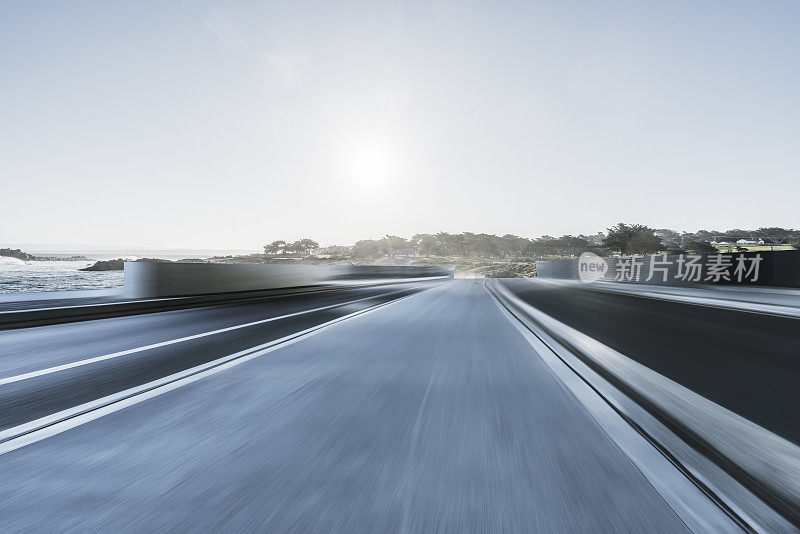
column 26, row 351
column 431, row 414
column 746, row 362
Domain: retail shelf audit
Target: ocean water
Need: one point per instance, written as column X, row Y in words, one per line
column 17, row 275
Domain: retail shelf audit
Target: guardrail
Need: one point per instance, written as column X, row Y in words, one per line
column 756, row 460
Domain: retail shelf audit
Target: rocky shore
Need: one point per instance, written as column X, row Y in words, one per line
column 24, row 256
column 118, row 264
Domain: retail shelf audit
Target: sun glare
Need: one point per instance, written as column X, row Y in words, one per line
column 372, row 163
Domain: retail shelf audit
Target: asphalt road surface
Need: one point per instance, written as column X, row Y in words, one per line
column 29, row 350
column 432, row 413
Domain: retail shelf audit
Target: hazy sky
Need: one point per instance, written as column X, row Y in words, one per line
column 230, row 124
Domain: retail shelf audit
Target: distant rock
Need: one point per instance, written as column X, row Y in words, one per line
column 24, row 256
column 106, row 265
column 16, row 253
column 118, row 264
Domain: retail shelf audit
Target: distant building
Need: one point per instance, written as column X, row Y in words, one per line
column 749, row 242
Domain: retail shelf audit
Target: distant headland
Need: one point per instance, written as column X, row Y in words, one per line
column 24, row 256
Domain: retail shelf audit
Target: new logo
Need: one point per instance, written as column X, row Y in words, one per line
column 591, row 267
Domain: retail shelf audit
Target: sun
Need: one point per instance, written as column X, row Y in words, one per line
column 372, row 163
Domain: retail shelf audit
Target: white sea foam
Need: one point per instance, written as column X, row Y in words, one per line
column 7, row 260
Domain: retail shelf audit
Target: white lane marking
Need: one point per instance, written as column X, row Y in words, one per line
column 50, row 425
column 87, row 361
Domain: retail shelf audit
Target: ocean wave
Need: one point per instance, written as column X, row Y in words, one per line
column 19, row 276
column 8, row 260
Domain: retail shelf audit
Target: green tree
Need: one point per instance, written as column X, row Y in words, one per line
column 426, row 243
column 391, row 243
column 303, row 246
column 276, row 247
column 670, row 238
column 632, row 239
column 366, row 248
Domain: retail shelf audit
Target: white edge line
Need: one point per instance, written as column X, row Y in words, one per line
column 64, row 420
column 95, row 359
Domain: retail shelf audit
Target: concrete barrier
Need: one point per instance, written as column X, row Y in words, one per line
column 153, row 287
column 154, row 280
column 780, row 269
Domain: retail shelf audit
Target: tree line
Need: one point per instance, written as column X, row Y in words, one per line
column 625, row 239
column 301, row 247
column 477, row 246
column 771, row 235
